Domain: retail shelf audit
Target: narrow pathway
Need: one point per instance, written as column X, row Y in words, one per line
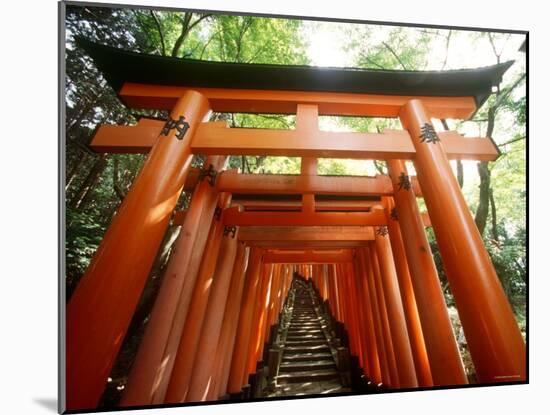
column 307, row 365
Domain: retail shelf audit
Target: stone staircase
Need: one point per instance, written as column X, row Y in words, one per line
column 308, row 363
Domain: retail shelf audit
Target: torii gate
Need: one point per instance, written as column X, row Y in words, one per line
column 369, row 227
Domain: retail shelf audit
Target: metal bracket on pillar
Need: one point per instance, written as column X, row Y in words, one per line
column 382, row 230
column 404, row 181
column 180, row 125
column 230, row 230
column 393, row 214
column 428, row 134
column 210, row 173
column 218, row 213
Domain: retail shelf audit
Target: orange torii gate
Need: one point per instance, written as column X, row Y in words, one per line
column 243, row 235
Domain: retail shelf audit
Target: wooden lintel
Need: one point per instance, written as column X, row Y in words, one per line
column 293, row 234
column 296, row 206
column 232, row 216
column 298, row 234
column 137, row 138
column 308, row 244
column 307, row 256
column 285, row 102
column 296, row 184
column 214, row 138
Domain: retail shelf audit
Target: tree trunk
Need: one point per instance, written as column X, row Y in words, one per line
column 116, row 185
column 482, row 211
column 460, row 173
column 81, row 198
column 73, row 173
column 259, row 163
column 493, row 215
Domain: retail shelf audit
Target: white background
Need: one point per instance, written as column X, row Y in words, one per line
column 28, row 204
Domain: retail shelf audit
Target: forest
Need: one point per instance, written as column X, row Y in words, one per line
column 96, row 184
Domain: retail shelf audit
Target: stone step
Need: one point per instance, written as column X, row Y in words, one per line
column 305, row 342
column 307, row 376
column 297, row 328
column 305, row 357
column 306, row 349
column 306, row 338
column 304, row 333
column 299, row 320
column 306, row 366
column 304, row 330
column 305, row 319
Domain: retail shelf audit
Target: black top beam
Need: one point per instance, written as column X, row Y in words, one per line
column 119, row 66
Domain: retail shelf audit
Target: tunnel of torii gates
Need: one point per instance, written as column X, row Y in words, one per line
column 361, row 240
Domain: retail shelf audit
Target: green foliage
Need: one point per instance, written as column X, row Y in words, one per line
column 510, row 188
column 255, row 40
column 83, row 235
column 386, row 48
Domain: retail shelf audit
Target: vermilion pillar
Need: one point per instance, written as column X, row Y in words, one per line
column 102, row 305
column 355, row 315
column 203, row 365
column 360, row 316
column 396, row 315
column 187, row 349
column 341, row 288
column 494, row 339
column 348, row 307
column 239, row 359
column 287, row 279
column 445, row 362
column 338, row 289
column 324, row 279
column 384, row 318
column 224, row 351
column 333, row 292
column 275, row 292
column 150, row 364
column 280, row 294
column 191, row 269
column 414, row 328
column 258, row 321
column 372, row 353
column 377, row 318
